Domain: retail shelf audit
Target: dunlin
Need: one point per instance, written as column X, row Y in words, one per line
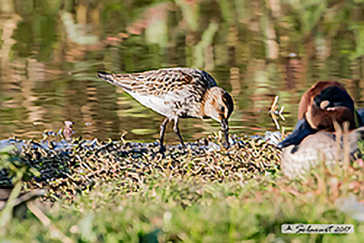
column 177, row 93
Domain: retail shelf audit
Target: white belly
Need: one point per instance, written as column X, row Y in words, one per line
column 162, row 105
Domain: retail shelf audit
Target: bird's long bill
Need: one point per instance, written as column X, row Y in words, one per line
column 225, row 129
column 301, row 130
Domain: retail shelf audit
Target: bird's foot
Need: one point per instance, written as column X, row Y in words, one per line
column 162, row 149
column 161, row 152
column 226, row 145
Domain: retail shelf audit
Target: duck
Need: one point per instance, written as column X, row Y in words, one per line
column 314, row 137
column 177, row 93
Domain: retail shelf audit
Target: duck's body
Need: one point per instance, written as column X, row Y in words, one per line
column 320, row 148
column 313, row 140
column 176, row 93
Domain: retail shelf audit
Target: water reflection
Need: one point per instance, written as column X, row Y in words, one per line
column 50, row 52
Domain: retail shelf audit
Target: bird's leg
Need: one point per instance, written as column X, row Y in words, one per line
column 163, row 129
column 176, row 130
column 225, row 129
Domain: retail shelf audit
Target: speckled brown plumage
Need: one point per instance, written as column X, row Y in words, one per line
column 177, row 93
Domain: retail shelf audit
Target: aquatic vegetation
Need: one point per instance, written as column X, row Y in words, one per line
column 75, row 167
column 171, row 199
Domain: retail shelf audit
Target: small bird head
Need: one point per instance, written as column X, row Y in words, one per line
column 219, row 105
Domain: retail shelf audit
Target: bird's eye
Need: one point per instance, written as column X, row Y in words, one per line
column 222, row 108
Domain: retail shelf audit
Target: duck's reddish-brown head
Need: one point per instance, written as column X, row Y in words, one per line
column 316, row 89
column 320, row 107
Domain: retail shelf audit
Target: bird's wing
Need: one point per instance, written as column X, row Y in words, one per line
column 163, row 81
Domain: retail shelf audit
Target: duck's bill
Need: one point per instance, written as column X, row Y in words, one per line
column 301, row 130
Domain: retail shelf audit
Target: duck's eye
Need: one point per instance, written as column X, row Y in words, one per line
column 222, row 108
column 324, row 104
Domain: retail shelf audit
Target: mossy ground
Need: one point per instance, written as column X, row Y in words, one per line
column 114, row 192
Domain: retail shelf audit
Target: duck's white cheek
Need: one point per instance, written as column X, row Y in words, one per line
column 324, row 104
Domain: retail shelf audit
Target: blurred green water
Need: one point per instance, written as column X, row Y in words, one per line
column 50, row 51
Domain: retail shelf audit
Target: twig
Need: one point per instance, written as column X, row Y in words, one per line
column 276, row 114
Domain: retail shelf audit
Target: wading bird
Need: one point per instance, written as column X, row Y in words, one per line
column 177, row 93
